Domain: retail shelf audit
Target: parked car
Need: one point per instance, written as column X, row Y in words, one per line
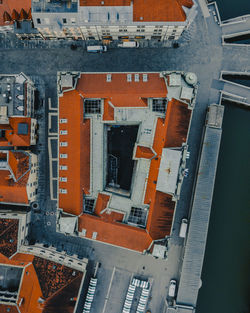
column 172, row 288
column 96, row 49
column 129, row 44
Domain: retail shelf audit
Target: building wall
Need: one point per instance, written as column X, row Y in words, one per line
column 32, row 184
column 113, row 32
column 33, row 131
column 30, row 96
column 78, row 25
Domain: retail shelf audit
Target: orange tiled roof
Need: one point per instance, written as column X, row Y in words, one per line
column 171, row 132
column 78, row 151
column 120, row 92
column 160, row 216
column 144, row 152
column 177, row 124
column 161, row 207
column 11, row 191
column 8, row 308
column 8, row 236
column 160, row 10
column 101, row 204
column 44, row 279
column 12, row 138
column 13, row 9
column 150, row 10
column 115, row 233
column 108, row 114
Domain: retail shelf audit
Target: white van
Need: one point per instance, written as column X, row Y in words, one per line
column 172, row 288
column 129, row 44
column 96, row 49
column 183, row 228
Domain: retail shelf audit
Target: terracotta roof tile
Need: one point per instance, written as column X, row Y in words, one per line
column 14, row 15
column 144, row 152
column 53, row 282
column 150, row 10
column 177, row 124
column 6, row 17
column 119, row 91
column 108, row 114
column 160, row 216
column 101, row 205
column 23, row 15
column 159, row 11
column 9, row 6
column 12, row 191
column 12, row 138
column 118, row 234
column 5, row 308
column 78, row 154
column 105, row 226
column 8, row 236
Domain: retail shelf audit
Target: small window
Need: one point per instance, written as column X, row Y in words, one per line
column 92, row 106
column 63, row 132
column 129, row 78
column 63, row 167
column 38, row 21
column 144, row 77
column 63, row 144
column 109, row 78
column 73, row 20
column 63, row 191
column 63, row 155
column 63, row 179
column 64, row 21
column 88, row 205
column 63, row 120
column 159, row 105
column 137, row 77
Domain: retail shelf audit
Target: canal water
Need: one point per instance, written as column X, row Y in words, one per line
column 226, row 269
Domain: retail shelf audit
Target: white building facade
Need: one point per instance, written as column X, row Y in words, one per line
column 78, row 20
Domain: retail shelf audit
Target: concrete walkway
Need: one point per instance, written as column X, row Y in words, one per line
column 235, row 26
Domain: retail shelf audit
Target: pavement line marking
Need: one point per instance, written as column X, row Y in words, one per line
column 107, row 295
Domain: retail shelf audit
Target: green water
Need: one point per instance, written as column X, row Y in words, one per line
column 226, row 269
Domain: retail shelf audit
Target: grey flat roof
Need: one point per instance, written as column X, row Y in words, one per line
column 169, row 170
column 190, row 281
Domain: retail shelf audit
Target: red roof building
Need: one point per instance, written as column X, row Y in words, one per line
column 17, row 122
column 122, row 144
column 114, row 19
column 18, row 177
column 34, row 284
column 14, row 10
